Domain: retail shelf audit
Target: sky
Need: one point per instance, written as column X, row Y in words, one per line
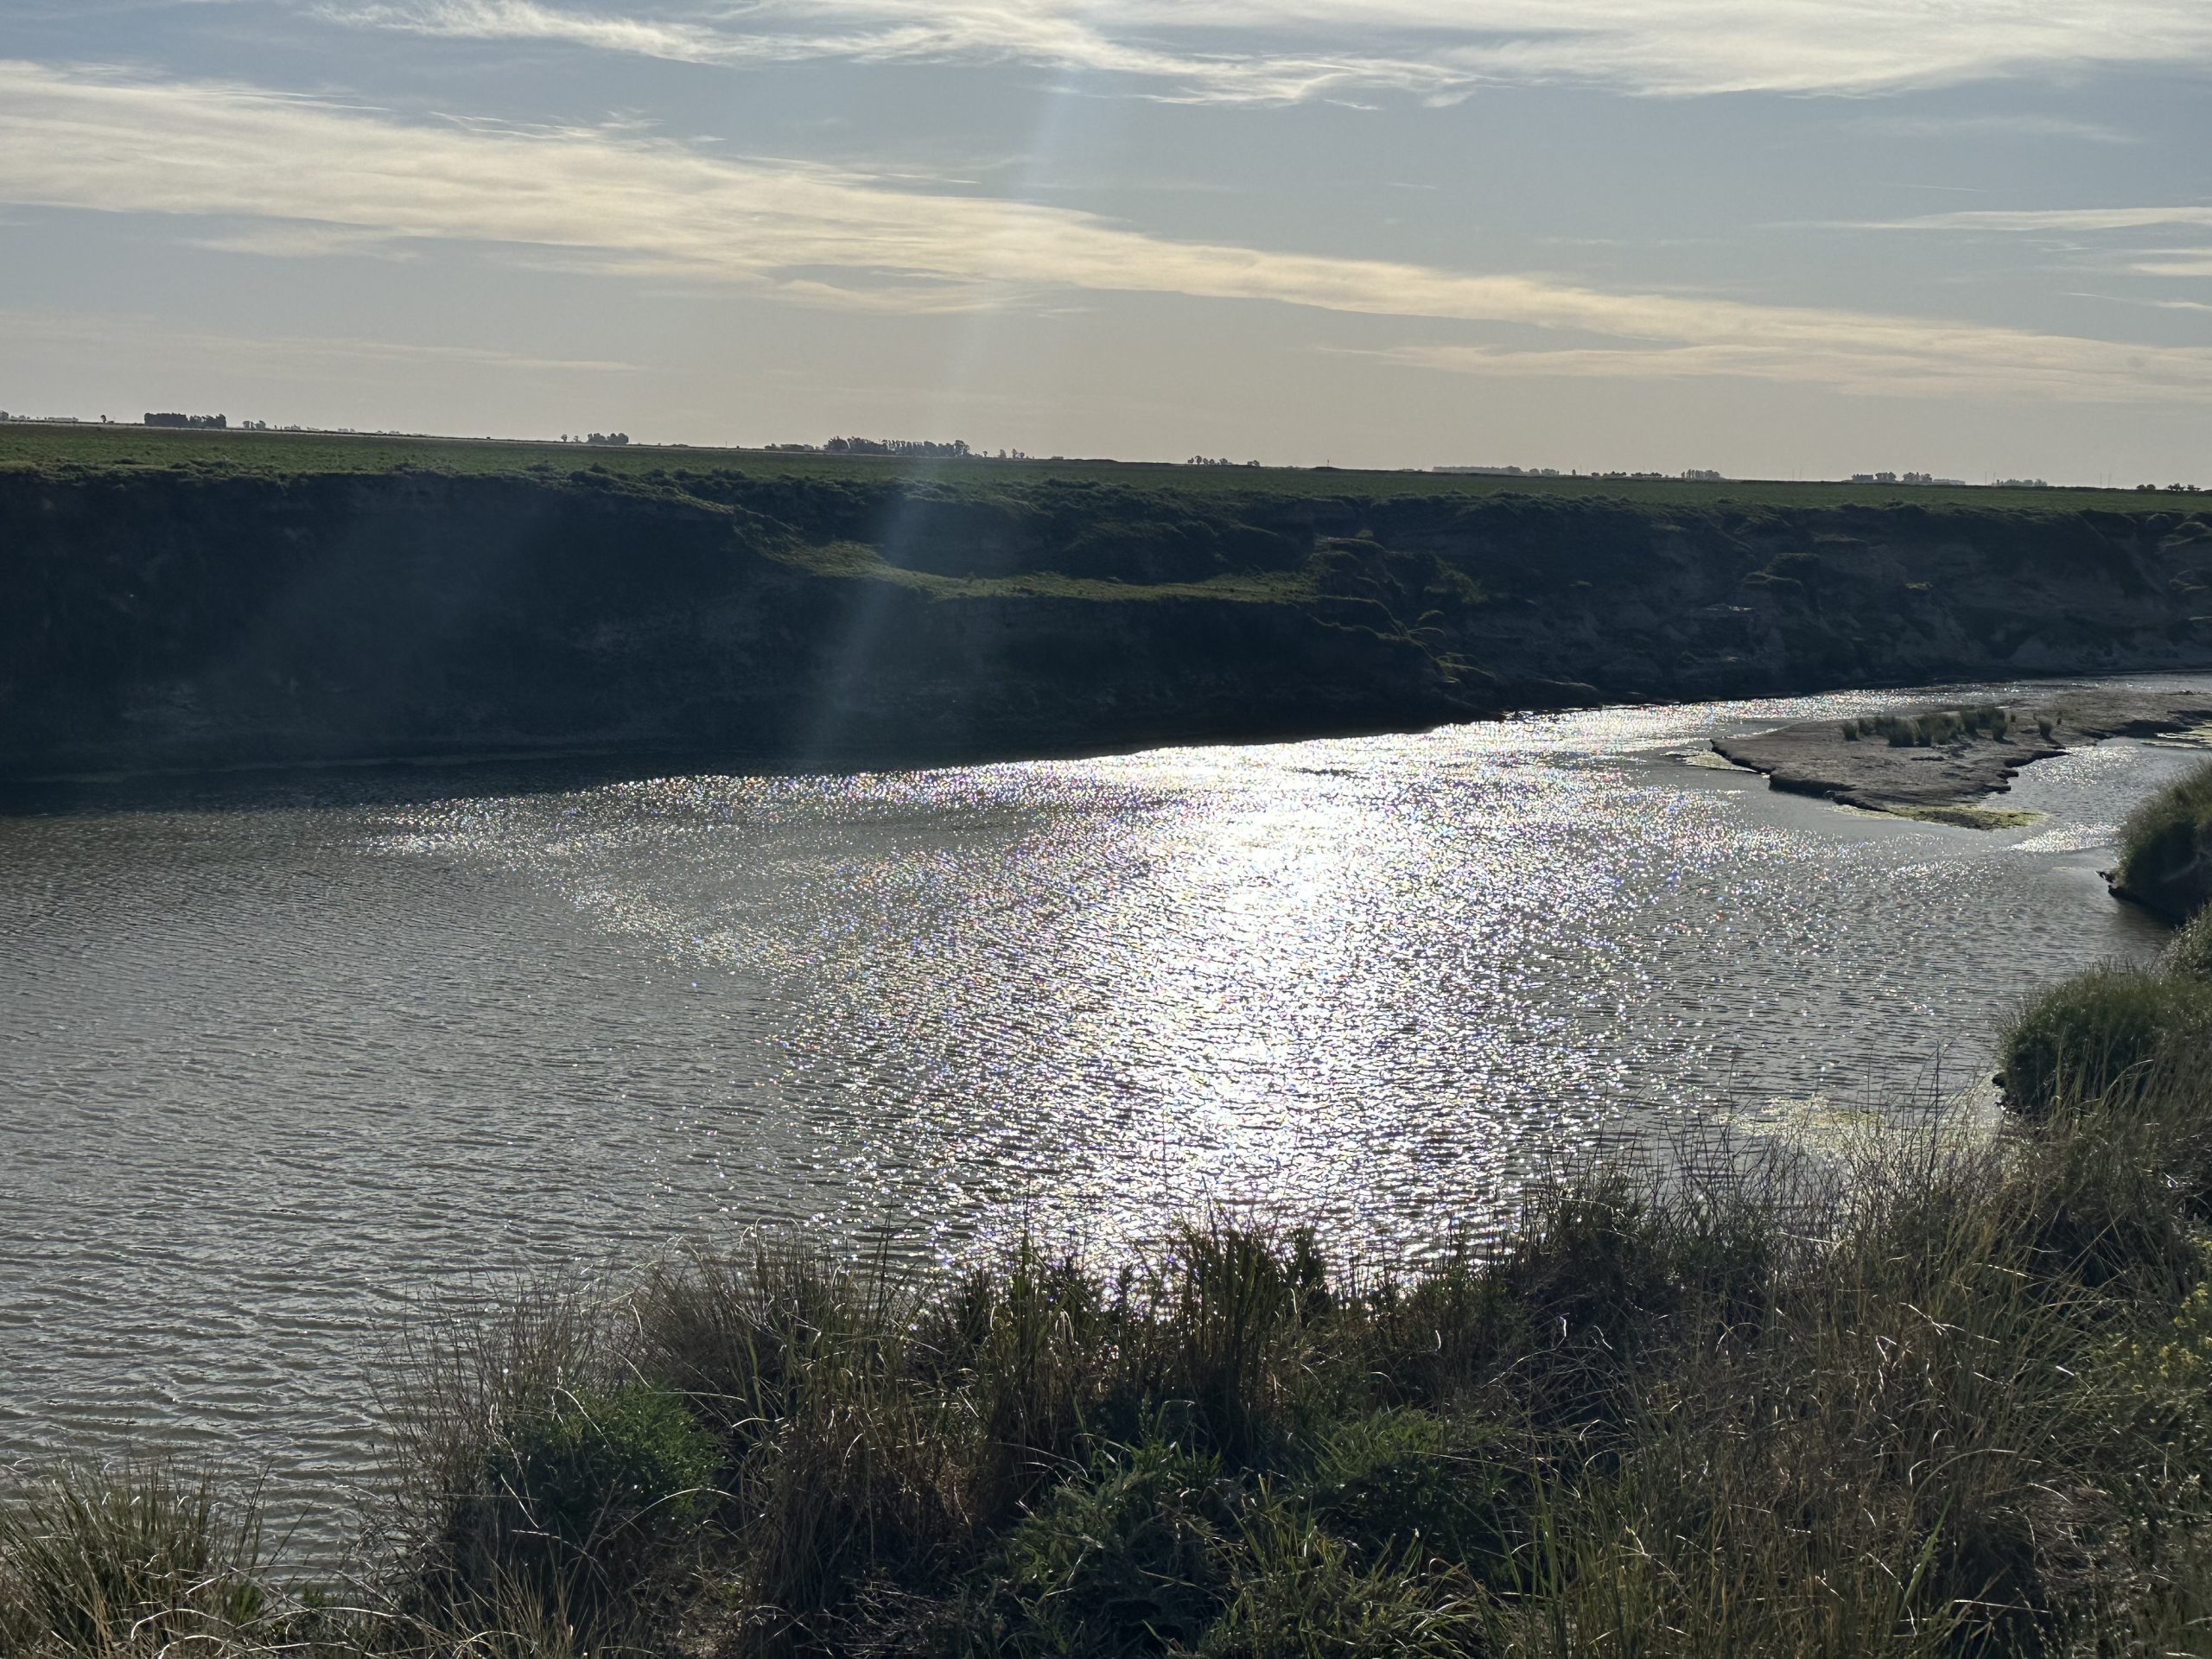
column 1775, row 237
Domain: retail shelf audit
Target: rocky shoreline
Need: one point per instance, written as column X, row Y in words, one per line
column 1961, row 754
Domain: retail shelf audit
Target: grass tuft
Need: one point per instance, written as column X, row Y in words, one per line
column 2104, row 1037
column 2165, row 859
column 1298, row 1590
column 146, row 1558
column 2189, row 956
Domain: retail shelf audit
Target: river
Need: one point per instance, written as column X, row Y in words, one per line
column 285, row 1064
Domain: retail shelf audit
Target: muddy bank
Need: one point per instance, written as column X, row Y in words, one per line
column 1937, row 763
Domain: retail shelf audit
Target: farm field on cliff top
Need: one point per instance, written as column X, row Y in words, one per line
column 66, row 450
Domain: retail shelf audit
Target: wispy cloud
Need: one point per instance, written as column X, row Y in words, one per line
column 2073, row 221
column 525, row 20
column 2174, row 262
column 1279, row 50
column 2070, row 226
column 2062, row 367
column 2061, row 128
column 891, row 31
column 289, row 239
column 629, row 204
column 2152, row 305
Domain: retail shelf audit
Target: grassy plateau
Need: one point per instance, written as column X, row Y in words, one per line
column 62, row 450
column 1946, row 1394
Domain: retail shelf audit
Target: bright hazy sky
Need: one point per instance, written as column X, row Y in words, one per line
column 1778, row 238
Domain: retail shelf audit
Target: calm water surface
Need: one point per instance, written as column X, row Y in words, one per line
column 278, row 1072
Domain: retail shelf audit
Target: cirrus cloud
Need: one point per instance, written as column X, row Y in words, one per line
column 1252, row 51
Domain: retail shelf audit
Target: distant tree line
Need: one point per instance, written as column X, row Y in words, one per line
column 212, row 423
column 953, row 451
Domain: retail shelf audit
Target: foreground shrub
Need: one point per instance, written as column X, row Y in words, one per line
column 863, row 1484
column 541, row 1481
column 603, row 1474
column 2106, row 1036
column 1405, row 1483
column 739, row 1335
column 141, row 1559
column 1041, row 1347
column 2165, row 859
column 1124, row 1561
column 1297, row 1591
column 1235, row 1306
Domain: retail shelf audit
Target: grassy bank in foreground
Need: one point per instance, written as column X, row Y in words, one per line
column 1938, row 1395
column 1970, row 1418
column 1949, row 1399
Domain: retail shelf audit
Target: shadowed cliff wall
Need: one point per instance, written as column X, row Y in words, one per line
column 158, row 620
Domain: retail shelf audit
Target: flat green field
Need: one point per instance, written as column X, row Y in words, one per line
column 60, row 448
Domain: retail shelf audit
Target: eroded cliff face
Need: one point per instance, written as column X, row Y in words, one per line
column 159, row 620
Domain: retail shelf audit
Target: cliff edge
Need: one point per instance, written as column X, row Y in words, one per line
column 191, row 617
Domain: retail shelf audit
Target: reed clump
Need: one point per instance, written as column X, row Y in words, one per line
column 2110, row 1034
column 150, row 1558
column 1990, row 719
column 2165, row 859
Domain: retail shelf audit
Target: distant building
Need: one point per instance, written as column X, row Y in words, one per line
column 1906, row 478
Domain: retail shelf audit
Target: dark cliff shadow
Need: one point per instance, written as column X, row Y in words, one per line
column 424, row 780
